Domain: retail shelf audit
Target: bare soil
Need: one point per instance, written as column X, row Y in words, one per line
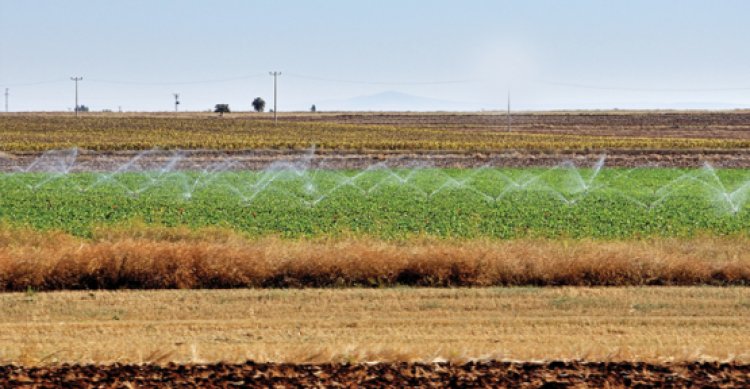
column 669, row 124
column 472, row 374
column 263, row 159
column 729, row 125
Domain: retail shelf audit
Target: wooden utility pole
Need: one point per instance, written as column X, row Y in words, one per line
column 176, row 101
column 275, row 76
column 76, row 79
column 508, row 111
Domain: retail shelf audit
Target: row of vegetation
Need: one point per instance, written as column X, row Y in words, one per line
column 391, row 204
column 158, row 258
column 45, row 132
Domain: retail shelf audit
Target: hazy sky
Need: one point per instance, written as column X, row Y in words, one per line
column 550, row 54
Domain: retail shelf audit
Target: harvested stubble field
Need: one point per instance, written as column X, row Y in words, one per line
column 396, row 324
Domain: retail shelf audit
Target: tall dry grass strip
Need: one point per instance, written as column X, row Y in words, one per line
column 183, row 259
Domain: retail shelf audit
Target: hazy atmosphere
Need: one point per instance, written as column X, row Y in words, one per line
column 385, row 55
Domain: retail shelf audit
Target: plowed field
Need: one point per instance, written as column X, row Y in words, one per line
column 695, row 124
column 474, row 374
column 385, row 132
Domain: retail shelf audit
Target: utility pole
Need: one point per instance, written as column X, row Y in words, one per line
column 508, row 115
column 6, row 100
column 76, row 79
column 275, row 76
column 176, row 101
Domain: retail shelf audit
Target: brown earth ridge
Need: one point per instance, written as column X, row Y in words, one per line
column 473, row 374
column 197, row 160
column 360, row 140
column 642, row 124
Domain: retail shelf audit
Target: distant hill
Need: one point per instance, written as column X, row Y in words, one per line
column 395, row 101
column 626, row 106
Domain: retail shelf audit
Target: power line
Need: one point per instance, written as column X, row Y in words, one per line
column 33, row 83
column 141, row 83
column 209, row 81
column 219, row 80
column 393, row 83
column 275, row 74
column 632, row 89
column 342, row 81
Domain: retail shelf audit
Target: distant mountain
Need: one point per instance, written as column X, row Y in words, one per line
column 395, row 101
column 693, row 105
column 701, row 105
column 399, row 101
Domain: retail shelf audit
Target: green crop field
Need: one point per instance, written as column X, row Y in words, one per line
column 386, row 203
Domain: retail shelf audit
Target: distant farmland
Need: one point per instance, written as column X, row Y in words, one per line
column 361, row 132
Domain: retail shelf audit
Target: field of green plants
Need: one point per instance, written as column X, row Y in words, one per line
column 390, row 203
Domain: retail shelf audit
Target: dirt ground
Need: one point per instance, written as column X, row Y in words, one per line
column 694, row 124
column 731, row 125
column 264, row 159
column 472, row 374
column 679, row 124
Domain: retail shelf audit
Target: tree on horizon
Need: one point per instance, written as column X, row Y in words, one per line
column 221, row 109
column 259, row 105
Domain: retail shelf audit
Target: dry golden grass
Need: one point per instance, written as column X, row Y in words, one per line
column 400, row 324
column 157, row 258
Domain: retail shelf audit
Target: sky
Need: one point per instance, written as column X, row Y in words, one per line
column 574, row 54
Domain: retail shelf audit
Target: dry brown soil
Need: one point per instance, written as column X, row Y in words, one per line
column 696, row 124
column 434, row 375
